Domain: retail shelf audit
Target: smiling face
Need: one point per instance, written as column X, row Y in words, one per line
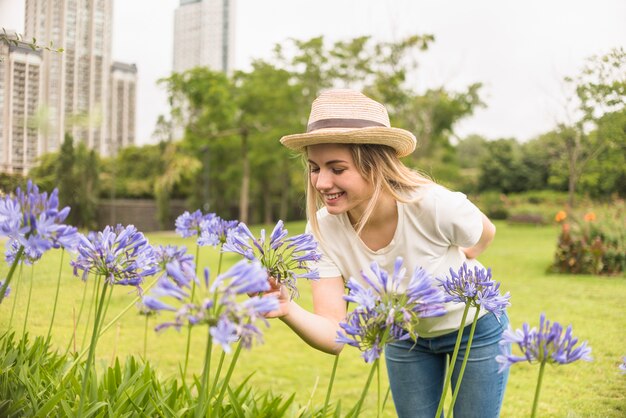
column 334, row 175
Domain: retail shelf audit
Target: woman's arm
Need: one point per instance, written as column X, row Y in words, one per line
column 489, row 232
column 318, row 328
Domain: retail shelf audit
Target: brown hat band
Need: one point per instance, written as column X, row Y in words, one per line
column 341, row 123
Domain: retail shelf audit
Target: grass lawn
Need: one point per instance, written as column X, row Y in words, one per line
column 284, row 364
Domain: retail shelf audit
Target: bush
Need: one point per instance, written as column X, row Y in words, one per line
column 593, row 243
column 493, row 204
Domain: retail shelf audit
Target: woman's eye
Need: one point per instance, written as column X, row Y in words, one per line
column 338, row 170
column 314, row 169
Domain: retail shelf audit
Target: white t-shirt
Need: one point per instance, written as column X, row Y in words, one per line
column 431, row 228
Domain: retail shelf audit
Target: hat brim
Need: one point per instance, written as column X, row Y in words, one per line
column 402, row 141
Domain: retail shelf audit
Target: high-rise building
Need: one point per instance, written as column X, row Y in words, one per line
column 122, row 106
column 74, row 82
column 204, row 35
column 20, row 98
column 46, row 94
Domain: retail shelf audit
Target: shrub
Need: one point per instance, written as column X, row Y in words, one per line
column 593, row 243
column 493, row 204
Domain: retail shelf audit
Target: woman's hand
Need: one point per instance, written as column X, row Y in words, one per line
column 281, row 294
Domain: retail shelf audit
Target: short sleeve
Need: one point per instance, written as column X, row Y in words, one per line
column 459, row 220
column 325, row 266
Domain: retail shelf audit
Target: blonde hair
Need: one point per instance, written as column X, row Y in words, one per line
column 380, row 166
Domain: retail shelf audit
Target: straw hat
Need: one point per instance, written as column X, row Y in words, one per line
column 344, row 116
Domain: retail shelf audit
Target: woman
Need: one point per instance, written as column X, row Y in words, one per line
column 364, row 205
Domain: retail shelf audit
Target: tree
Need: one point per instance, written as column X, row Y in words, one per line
column 177, row 167
column 502, row 169
column 240, row 118
column 75, row 172
column 600, row 89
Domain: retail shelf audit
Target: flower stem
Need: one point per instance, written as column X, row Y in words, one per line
column 330, row 384
column 200, row 411
column 17, row 288
column 77, row 320
column 92, row 347
column 229, row 373
column 357, row 407
column 455, row 353
column 30, row 293
column 378, row 409
column 219, row 263
column 56, row 295
column 94, row 302
column 217, row 373
column 5, row 285
column 193, row 294
column 126, row 309
column 455, row 392
column 114, row 320
column 537, row 390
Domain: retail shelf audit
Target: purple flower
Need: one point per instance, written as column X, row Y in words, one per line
column 245, row 277
column 10, row 216
column 286, row 259
column 476, row 289
column 548, row 344
column 622, row 366
column 215, row 231
column 121, row 255
column 176, row 264
column 224, row 333
column 32, row 220
column 156, row 305
column 217, row 304
column 386, row 313
column 189, row 224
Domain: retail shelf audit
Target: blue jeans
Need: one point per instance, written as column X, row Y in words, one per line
column 417, row 372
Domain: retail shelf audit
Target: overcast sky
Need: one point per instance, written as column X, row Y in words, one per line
column 520, row 51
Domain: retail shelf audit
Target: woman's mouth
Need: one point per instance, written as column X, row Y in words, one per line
column 334, row 196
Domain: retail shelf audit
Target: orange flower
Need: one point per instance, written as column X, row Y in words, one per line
column 560, row 216
column 590, row 217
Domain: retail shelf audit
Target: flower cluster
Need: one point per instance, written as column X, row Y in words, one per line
column 216, row 304
column 215, row 231
column 384, row 313
column 121, row 255
column 286, row 259
column 622, row 366
column 476, row 289
column 32, row 221
column 190, row 224
column 175, row 263
column 548, row 344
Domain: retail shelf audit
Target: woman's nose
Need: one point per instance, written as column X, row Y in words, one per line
column 323, row 181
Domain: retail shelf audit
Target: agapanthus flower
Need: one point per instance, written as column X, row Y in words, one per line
column 286, row 259
column 122, row 255
column 217, row 305
column 622, row 366
column 215, row 231
column 175, row 263
column 385, row 313
column 32, row 220
column 190, row 224
column 476, row 288
column 548, row 344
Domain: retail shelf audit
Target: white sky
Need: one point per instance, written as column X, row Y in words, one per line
column 520, row 51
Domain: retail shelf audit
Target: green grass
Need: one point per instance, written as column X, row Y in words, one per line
column 284, row 364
